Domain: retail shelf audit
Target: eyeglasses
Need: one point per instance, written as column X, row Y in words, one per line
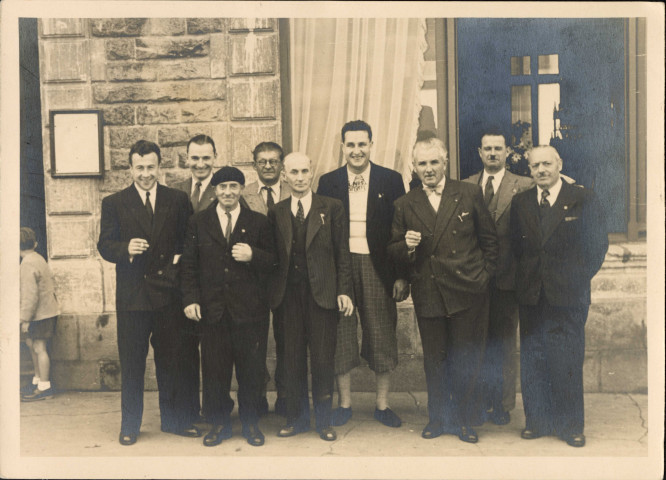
column 272, row 163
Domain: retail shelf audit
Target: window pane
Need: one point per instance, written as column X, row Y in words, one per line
column 520, row 66
column 549, row 64
column 548, row 103
column 521, row 104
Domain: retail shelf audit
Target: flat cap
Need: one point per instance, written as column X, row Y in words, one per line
column 227, row 174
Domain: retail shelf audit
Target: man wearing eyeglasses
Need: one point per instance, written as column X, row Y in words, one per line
column 259, row 196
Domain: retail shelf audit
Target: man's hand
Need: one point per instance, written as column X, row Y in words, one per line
column 193, row 312
column 25, row 326
column 400, row 290
column 136, row 247
column 412, row 239
column 345, row 305
column 241, row 252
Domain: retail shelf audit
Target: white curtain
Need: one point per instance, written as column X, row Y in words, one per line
column 351, row 69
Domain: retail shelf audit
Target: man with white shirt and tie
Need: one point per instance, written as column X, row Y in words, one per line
column 443, row 233
column 500, row 369
column 367, row 191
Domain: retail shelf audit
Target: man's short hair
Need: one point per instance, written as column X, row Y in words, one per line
column 548, row 148
column 267, row 147
column 430, row 143
column 202, row 140
column 356, row 126
column 28, row 238
column 493, row 132
column 143, row 148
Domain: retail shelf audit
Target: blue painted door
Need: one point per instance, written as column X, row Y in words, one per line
column 506, row 67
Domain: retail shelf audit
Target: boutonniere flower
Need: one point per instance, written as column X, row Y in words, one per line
column 322, row 218
column 462, row 215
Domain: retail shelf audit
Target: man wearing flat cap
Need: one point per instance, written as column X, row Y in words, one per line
column 228, row 252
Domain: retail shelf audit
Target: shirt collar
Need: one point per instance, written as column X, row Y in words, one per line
column 306, row 201
column 221, row 212
column 204, row 183
column 553, row 191
column 142, row 194
column 365, row 174
column 275, row 187
column 497, row 177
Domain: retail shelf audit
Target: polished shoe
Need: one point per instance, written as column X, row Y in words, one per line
column 280, row 407
column 293, row 429
column 340, row 416
column 387, row 417
column 528, row 434
column 500, row 417
column 574, row 440
column 127, row 438
column 327, row 434
column 217, row 434
column 467, row 434
column 190, row 432
column 38, row 395
column 28, row 389
column 432, row 430
column 253, row 435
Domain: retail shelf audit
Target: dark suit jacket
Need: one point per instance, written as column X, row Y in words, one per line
column 326, row 250
column 563, row 257
column 124, row 217
column 458, row 249
column 207, row 197
column 506, row 263
column 385, row 187
column 213, row 279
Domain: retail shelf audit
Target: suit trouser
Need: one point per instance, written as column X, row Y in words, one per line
column 500, row 368
column 224, row 345
column 552, row 351
column 164, row 328
column 453, row 348
column 305, row 324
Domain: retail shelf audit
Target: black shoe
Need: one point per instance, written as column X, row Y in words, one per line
column 217, row 434
column 127, row 439
column 340, row 416
column 528, row 434
column 387, row 417
column 432, row 430
column 293, row 429
column 190, row 432
column 38, row 395
column 500, row 417
column 327, row 434
column 253, row 435
column 28, row 389
column 467, row 434
column 280, row 407
column 577, row 440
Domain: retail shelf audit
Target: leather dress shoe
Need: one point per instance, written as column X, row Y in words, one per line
column 127, row 438
column 217, row 434
column 327, row 434
column 467, row 434
column 500, row 417
column 432, row 430
column 190, row 432
column 577, row 440
column 340, row 416
column 387, row 417
column 528, row 434
column 293, row 429
column 253, row 435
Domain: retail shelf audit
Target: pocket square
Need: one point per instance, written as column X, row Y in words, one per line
column 570, row 219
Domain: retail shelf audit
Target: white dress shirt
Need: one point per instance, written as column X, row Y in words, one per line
column 497, row 179
column 204, row 185
column 306, row 201
column 153, row 194
column 264, row 194
column 553, row 192
column 433, row 197
column 358, row 211
column 222, row 216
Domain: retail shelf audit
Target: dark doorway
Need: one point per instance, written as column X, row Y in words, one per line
column 32, row 207
column 548, row 81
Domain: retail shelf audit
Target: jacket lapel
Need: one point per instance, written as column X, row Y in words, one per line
column 317, row 215
column 374, row 190
column 285, row 190
column 239, row 235
column 134, row 204
column 161, row 209
column 505, row 193
column 562, row 205
column 423, row 209
column 213, row 226
column 207, row 197
column 283, row 218
column 447, row 206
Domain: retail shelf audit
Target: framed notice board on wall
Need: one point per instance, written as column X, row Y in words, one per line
column 77, row 143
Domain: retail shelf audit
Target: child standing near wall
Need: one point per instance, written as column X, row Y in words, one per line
column 39, row 310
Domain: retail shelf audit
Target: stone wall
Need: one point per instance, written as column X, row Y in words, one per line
column 163, row 80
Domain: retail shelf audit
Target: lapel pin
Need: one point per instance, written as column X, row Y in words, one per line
column 455, row 200
column 566, row 207
column 322, row 218
column 380, row 195
column 242, row 230
column 462, row 215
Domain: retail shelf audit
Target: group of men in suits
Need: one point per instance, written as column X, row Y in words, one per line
column 475, row 253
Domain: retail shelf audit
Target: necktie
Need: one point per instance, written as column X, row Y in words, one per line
column 436, row 190
column 227, row 232
column 544, row 199
column 195, row 196
column 489, row 191
column 269, row 196
column 149, row 207
column 300, row 214
column 358, row 185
